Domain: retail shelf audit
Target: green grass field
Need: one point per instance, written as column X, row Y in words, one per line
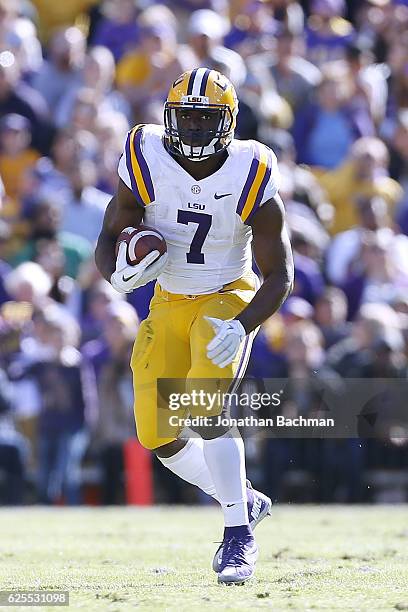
column 312, row 558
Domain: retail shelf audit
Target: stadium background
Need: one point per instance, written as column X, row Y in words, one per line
column 325, row 84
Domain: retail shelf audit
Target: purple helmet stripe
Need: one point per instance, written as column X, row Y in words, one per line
column 204, row 82
column 191, row 82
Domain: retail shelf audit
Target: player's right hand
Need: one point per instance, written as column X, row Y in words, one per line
column 126, row 278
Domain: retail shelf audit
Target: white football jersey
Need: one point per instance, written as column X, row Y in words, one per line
column 205, row 223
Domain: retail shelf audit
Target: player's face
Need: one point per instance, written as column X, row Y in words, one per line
column 197, row 127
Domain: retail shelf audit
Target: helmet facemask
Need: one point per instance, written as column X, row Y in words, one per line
column 198, row 144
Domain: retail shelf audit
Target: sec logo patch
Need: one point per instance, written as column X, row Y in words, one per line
column 196, row 189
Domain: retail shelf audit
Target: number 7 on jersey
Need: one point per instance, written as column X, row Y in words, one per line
column 203, row 221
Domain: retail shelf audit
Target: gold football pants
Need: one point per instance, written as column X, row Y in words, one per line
column 171, row 344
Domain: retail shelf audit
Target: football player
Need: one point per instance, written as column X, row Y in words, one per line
column 215, row 200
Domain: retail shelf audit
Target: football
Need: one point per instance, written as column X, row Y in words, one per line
column 140, row 241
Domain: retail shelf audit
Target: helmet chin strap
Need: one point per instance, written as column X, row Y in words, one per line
column 197, row 159
column 207, row 151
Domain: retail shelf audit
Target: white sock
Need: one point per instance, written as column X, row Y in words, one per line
column 190, row 465
column 225, row 457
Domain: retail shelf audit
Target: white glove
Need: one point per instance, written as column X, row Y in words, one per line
column 225, row 345
column 127, row 278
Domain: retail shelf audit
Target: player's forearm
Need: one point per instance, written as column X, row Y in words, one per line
column 105, row 255
column 266, row 302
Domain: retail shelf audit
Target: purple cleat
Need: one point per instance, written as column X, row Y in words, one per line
column 238, row 560
column 259, row 506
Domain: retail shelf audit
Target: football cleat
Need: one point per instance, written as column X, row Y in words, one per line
column 239, row 556
column 258, row 508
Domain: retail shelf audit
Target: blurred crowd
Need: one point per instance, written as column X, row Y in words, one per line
column 324, row 83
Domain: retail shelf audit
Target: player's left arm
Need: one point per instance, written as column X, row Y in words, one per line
column 273, row 255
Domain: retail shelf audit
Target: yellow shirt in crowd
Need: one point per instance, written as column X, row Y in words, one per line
column 12, row 171
column 344, row 188
column 133, row 70
column 53, row 14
